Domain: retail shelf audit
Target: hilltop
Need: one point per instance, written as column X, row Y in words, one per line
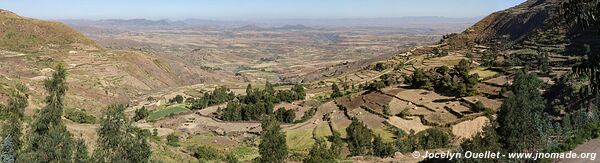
column 30, row 35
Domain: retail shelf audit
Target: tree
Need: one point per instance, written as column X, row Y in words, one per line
column 299, row 89
column 118, row 140
column 8, row 151
column 336, row 144
column 140, row 114
column 230, row 158
column 336, row 91
column 359, row 138
column 386, row 110
column 269, row 88
column 81, row 152
column 178, row 99
column 488, row 140
column 49, row 140
column 273, row 147
column 173, row 140
column 11, row 131
column 380, row 148
column 320, row 153
column 521, row 118
column 545, row 64
column 469, row 56
column 285, row 116
column 379, row 67
column 433, row 138
column 585, row 14
column 463, row 67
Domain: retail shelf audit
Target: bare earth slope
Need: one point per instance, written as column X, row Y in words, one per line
column 30, row 49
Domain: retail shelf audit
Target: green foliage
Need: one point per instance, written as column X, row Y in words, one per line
column 380, row 67
column 433, row 138
column 79, row 116
column 299, row 89
column 285, row 116
column 337, row 143
column 320, row 153
column 206, row 153
column 140, row 114
column 307, row 115
column 118, row 140
column 177, row 99
column 257, row 103
column 359, row 138
column 8, row 152
column 386, row 110
column 335, row 91
column 49, row 140
column 376, row 85
column 544, row 64
column 173, row 140
column 230, row 158
column 521, row 118
column 218, row 96
column 489, row 57
column 419, row 79
column 479, row 107
column 406, row 142
column 81, row 152
column 488, row 140
column 382, row 149
column 455, row 82
column 11, row 130
column 273, row 147
column 585, row 14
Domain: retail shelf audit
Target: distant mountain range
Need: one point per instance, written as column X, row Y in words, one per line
column 297, row 24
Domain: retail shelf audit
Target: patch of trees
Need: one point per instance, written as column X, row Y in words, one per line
column 79, row 116
column 381, row 148
column 438, row 52
column 319, row 152
column 307, row 115
column 273, row 147
column 173, row 140
column 48, row 139
column 585, row 12
column 257, row 103
column 141, row 113
column 218, row 96
column 523, row 113
column 205, row 153
column 523, row 126
column 455, row 82
column 285, row 116
column 359, row 138
column 177, row 99
column 431, row 138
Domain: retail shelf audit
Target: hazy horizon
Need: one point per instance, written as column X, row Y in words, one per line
column 239, row 10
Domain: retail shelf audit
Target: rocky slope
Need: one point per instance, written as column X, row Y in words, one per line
column 534, row 24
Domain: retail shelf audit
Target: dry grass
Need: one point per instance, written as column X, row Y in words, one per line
column 407, row 125
column 467, row 129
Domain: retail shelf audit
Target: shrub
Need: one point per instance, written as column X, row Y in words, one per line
column 173, row 140
column 79, row 116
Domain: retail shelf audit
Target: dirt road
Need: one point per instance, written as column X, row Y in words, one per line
column 592, row 146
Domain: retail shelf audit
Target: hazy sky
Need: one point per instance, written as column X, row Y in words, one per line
column 251, row 9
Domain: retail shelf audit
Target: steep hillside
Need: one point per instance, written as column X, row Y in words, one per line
column 510, row 25
column 534, row 24
column 30, row 49
column 30, row 35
